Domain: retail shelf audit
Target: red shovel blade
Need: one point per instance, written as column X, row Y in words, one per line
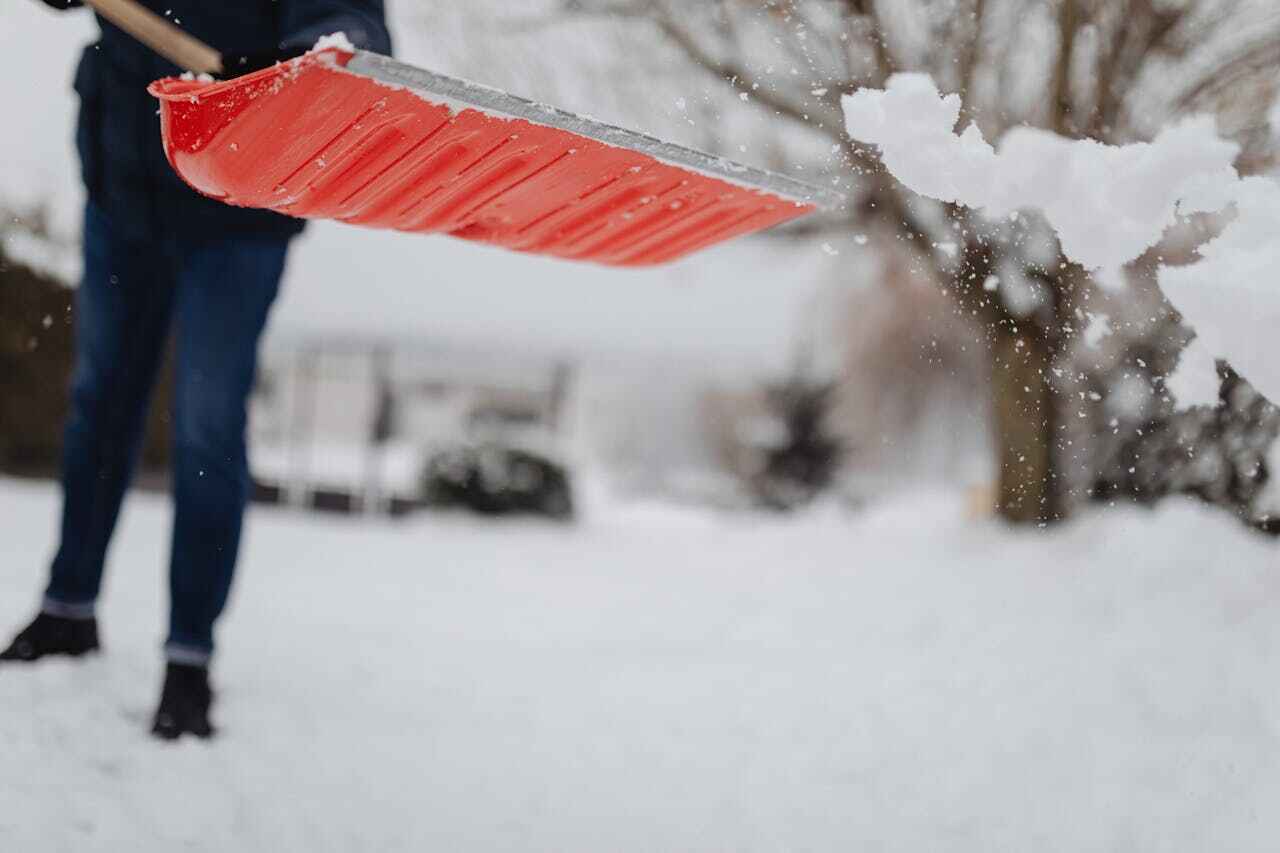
column 362, row 139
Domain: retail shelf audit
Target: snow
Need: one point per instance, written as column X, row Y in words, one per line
column 1266, row 505
column 1230, row 296
column 1196, row 381
column 396, row 467
column 1097, row 330
column 663, row 679
column 1108, row 204
column 334, row 41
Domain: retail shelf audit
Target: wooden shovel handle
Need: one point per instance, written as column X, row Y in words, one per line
column 175, row 45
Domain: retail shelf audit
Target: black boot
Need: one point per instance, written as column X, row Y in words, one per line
column 184, row 703
column 53, row 635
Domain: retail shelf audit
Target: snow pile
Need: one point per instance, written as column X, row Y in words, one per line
column 1109, row 204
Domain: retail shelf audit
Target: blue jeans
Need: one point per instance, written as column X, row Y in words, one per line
column 215, row 294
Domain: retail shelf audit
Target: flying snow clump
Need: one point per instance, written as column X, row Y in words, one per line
column 1109, row 204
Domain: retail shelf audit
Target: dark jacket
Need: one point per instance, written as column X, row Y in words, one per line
column 118, row 135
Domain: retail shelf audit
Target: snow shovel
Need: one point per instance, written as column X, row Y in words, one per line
column 354, row 136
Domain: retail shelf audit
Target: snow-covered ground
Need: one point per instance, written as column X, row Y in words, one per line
column 654, row 679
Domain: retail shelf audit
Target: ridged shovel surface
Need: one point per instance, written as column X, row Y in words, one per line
column 360, row 138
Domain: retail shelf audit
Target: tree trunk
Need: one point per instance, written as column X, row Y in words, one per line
column 1024, row 426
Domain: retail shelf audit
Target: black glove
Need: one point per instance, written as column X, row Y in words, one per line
column 62, row 5
column 237, row 63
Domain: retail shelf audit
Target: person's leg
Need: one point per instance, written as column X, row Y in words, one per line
column 224, row 294
column 122, row 315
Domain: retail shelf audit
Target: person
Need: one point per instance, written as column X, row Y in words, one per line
column 160, row 258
